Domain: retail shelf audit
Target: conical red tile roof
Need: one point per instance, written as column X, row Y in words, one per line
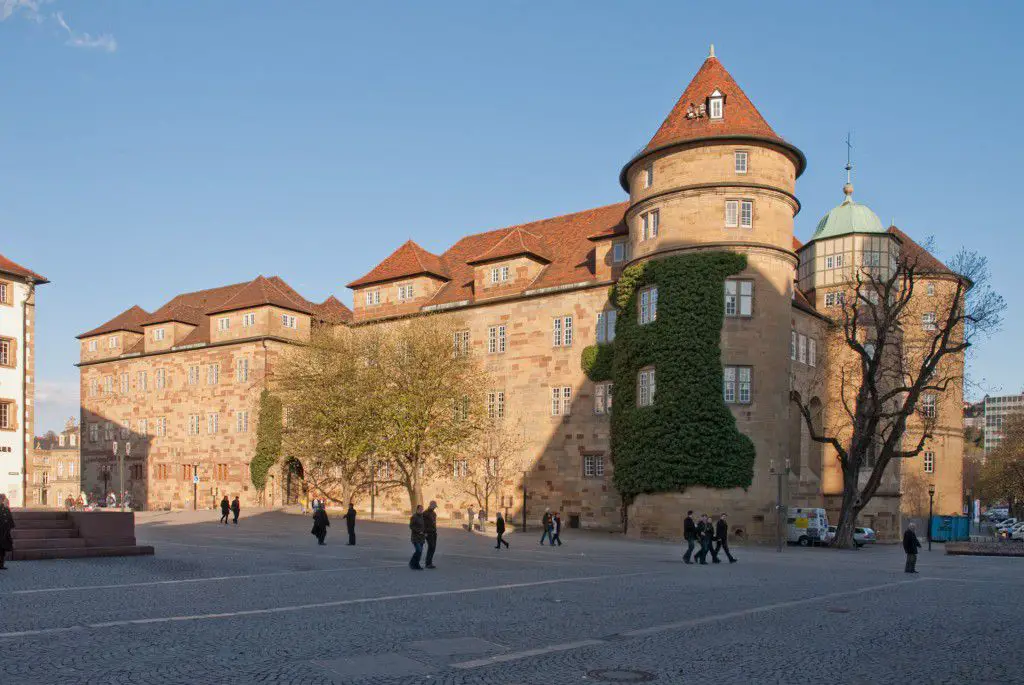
column 408, row 260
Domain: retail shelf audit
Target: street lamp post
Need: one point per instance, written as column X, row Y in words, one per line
column 524, row 501
column 373, row 488
column 779, row 475
column 195, row 486
column 106, row 480
column 931, row 501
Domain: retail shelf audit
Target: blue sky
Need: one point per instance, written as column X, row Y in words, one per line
column 149, row 148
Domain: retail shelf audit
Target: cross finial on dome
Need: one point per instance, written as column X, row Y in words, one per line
column 711, row 53
column 848, row 188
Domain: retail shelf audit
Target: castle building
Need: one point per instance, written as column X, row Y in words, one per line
column 17, row 376
column 55, row 468
column 530, row 299
column 170, row 396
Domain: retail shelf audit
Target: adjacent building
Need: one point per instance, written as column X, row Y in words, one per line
column 17, row 375
column 54, row 473
column 529, row 298
column 997, row 409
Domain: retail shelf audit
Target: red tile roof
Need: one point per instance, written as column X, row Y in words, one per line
column 332, row 310
column 129, row 320
column 408, row 260
column 259, row 292
column 9, row 267
column 924, row 261
column 797, row 244
column 515, row 243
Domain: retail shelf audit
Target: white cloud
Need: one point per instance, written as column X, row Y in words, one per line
column 57, row 392
column 77, row 39
column 27, row 8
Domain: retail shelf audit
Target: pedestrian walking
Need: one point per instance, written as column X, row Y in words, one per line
column 545, row 524
column 236, row 509
column 430, row 532
column 689, row 535
column 418, row 537
column 704, row 534
column 499, row 525
column 350, row 523
column 304, row 504
column 471, row 514
column 722, row 539
column 225, row 509
column 556, row 529
column 910, row 545
column 6, row 526
column 320, row 524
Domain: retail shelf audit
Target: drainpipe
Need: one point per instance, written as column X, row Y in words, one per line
column 24, row 390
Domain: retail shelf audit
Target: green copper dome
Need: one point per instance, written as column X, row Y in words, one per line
column 849, row 217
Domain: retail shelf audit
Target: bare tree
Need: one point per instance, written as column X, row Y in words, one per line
column 494, row 457
column 888, row 363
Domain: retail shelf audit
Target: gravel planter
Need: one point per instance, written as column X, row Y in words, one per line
column 986, row 549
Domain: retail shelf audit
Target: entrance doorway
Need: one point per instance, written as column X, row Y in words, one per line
column 294, row 482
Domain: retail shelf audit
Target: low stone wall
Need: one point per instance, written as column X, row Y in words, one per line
column 105, row 528
column 660, row 516
column 986, row 549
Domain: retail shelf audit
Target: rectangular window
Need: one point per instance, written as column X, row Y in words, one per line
column 193, row 424
column 242, row 370
column 746, row 213
column 6, row 415
column 242, row 422
column 92, row 345
column 648, row 305
column 743, row 391
column 248, row 320
column 212, row 374
column 618, row 252
column 223, row 323
column 158, row 334
column 126, row 428
column 289, row 321
column 929, row 462
column 606, row 326
column 739, row 298
column 649, row 175
column 593, row 466
column 931, row 290
column 496, row 404
column 94, row 387
column 649, row 225
column 928, row 321
column 496, row 339
column 161, row 427
column 603, row 397
column 108, row 430
column 5, row 293
column 161, row 379
column 499, row 274
column 94, row 432
column 162, row 471
column 461, row 408
column 143, row 429
column 840, row 260
column 405, row 292
column 645, row 388
column 212, row 423
column 193, row 375
column 124, row 383
column 802, row 349
column 736, row 381
column 113, row 342
column 715, row 107
column 6, row 349
column 108, row 385
column 812, row 352
column 142, row 381
column 561, row 331
column 561, row 401
column 460, row 468
column 741, row 162
column 928, row 406
column 792, row 345
column 373, row 297
column 220, row 472
column 460, row 343
column 732, row 213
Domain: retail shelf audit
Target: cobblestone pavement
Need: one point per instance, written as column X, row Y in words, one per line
column 261, row 602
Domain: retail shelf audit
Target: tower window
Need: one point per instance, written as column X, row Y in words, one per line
column 716, row 104
column 649, row 175
column 732, row 213
column 741, row 161
column 618, row 252
column 746, row 213
column 648, row 305
column 649, row 225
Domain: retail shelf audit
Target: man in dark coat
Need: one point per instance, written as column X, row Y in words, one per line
column 236, row 509
column 546, row 524
column 722, row 539
column 910, row 546
column 416, row 526
column 704, row 534
column 320, row 523
column 556, row 529
column 350, row 523
column 6, row 526
column 430, row 532
column 225, row 509
column 499, row 525
column 689, row 535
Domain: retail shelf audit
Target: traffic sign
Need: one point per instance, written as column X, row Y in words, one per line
column 195, row 479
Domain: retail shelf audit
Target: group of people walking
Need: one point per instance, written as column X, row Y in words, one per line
column 423, row 527
column 552, row 525
column 713, row 538
column 321, row 522
column 234, row 507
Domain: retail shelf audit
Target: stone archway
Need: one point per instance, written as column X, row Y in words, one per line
column 294, row 481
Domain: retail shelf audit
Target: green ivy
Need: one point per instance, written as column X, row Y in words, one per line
column 597, row 361
column 688, row 436
column 268, row 439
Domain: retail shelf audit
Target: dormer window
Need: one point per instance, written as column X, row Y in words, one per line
column 405, row 292
column 158, row 334
column 716, row 104
column 223, row 323
column 499, row 274
column 373, row 297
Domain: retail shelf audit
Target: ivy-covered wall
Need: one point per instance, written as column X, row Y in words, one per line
column 689, row 436
column 268, row 439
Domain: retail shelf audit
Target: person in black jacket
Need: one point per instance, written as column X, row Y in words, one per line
column 225, row 510
column 722, row 539
column 910, row 546
column 320, row 523
column 430, row 532
column 417, row 537
column 556, row 529
column 499, row 526
column 350, row 523
column 236, row 509
column 705, row 533
column 6, row 526
column 689, row 536
column 546, row 523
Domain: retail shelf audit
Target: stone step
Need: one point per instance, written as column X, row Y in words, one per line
column 80, row 552
column 47, row 543
column 37, row 533
column 43, row 524
column 39, row 515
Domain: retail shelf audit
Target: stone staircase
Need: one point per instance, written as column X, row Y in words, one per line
column 54, row 535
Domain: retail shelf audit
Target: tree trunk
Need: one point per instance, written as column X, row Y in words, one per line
column 847, row 515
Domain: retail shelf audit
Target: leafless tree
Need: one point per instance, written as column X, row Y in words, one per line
column 494, row 457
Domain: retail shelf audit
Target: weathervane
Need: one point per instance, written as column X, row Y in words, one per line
column 848, row 188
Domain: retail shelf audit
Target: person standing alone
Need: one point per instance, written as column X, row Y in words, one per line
column 417, row 537
column 6, row 526
column 722, row 539
column 236, row 509
column 910, row 545
column 225, row 509
column 499, row 525
column 430, row 532
column 350, row 523
column 320, row 523
column 689, row 535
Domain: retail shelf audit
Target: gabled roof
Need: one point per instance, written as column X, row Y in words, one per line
column 924, row 261
column 332, row 310
column 515, row 243
column 129, row 320
column 408, row 260
column 740, row 118
column 13, row 268
column 259, row 292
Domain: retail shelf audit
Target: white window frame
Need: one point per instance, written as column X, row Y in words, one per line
column 737, row 384
column 92, row 346
column 212, row 423
column 242, row 370
column 561, row 331
column 372, row 297
column 113, row 342
column 161, row 379
column 732, row 213
column 792, row 345
column 812, row 352
column 929, row 322
column 716, row 106
column 248, row 320
column 212, row 374
column 802, row 349
column 593, row 466
column 740, row 161
column 499, row 274
column 561, row 400
column 142, row 381
column 242, row 421
column 929, row 405
column 159, row 334
column 618, row 252
column 931, row 290
column 289, row 321
column 496, row 340
column 740, row 294
column 649, row 175
column 646, row 386
column 606, row 321
column 649, row 224
column 224, row 323
column 193, row 424
column 406, row 292
column 496, row 404
column 929, row 461
column 603, row 394
column 647, row 305
column 460, row 343
column 746, row 213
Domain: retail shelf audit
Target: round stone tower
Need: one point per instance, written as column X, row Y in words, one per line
column 716, row 176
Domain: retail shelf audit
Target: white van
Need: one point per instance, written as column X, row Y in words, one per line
column 806, row 526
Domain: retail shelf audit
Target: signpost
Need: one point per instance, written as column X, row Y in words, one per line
column 195, row 486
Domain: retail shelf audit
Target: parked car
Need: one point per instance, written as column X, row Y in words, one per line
column 1007, row 524
column 861, row 536
column 1016, row 532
